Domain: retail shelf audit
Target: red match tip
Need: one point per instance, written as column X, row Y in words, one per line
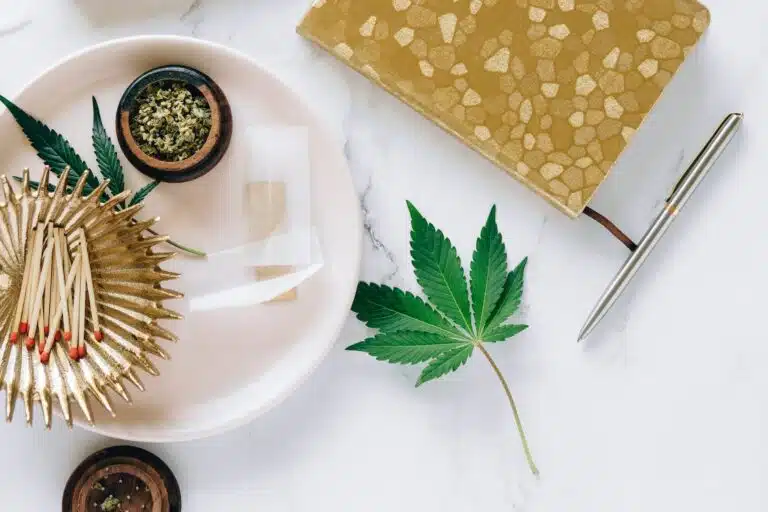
column 57, row 336
column 45, row 357
column 98, row 335
column 82, row 351
column 14, row 337
column 30, row 343
column 73, row 353
column 41, row 347
column 46, row 330
column 67, row 336
column 23, row 326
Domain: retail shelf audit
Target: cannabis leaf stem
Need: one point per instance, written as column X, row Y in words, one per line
column 445, row 332
column 518, row 422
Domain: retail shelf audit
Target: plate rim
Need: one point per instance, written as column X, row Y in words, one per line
column 252, row 413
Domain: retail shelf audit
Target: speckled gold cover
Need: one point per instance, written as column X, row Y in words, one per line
column 550, row 90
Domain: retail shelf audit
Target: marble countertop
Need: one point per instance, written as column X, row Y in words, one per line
column 666, row 407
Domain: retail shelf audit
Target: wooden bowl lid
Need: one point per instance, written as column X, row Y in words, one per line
column 124, row 477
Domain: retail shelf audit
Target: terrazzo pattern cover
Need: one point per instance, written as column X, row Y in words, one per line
column 550, row 90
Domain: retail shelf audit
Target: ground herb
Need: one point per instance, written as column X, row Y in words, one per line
column 111, row 504
column 170, row 122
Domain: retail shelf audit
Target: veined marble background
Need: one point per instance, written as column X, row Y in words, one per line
column 664, row 409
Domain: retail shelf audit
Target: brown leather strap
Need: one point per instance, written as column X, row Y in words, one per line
column 611, row 227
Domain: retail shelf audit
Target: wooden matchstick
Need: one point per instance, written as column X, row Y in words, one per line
column 33, row 273
column 39, row 292
column 81, row 350
column 22, row 295
column 60, row 308
column 67, row 260
column 31, row 340
column 61, row 262
column 74, row 342
column 47, row 295
column 53, row 292
column 97, row 333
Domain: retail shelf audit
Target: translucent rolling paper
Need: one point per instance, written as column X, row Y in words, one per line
column 277, row 247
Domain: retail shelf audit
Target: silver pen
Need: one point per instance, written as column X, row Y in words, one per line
column 683, row 191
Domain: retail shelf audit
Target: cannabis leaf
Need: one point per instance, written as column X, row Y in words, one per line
column 442, row 333
column 106, row 155
column 407, row 347
column 511, row 296
column 390, row 309
column 446, row 362
column 143, row 193
column 52, row 148
column 56, row 152
column 438, row 270
column 488, row 271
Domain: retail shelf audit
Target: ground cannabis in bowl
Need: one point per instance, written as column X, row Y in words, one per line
column 170, row 122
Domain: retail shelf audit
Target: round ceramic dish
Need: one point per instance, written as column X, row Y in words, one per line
column 218, row 379
column 215, row 145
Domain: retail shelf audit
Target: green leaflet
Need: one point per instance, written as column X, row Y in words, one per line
column 511, row 296
column 438, row 270
column 503, row 332
column 487, row 272
column 406, row 347
column 391, row 309
column 445, row 363
column 106, row 155
column 143, row 193
column 52, row 148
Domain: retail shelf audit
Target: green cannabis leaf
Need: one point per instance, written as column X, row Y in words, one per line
column 445, row 332
column 106, row 155
column 56, row 152
column 52, row 148
column 438, row 270
column 143, row 193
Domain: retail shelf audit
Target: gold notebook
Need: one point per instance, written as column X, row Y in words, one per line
column 550, row 90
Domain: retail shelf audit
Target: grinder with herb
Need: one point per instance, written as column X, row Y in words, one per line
column 174, row 123
column 171, row 123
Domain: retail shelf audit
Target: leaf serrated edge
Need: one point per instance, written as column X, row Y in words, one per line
column 106, row 153
column 464, row 319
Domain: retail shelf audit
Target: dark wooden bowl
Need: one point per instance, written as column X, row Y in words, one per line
column 215, row 146
column 141, row 481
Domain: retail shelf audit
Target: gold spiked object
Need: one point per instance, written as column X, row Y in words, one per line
column 126, row 287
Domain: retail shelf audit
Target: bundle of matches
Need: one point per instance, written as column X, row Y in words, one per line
column 56, row 293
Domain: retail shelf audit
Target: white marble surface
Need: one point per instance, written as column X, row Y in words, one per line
column 666, row 408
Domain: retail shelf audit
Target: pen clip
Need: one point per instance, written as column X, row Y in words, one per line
column 677, row 186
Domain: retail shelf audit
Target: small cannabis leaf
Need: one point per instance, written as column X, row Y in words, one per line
column 106, row 155
column 488, row 272
column 56, row 152
column 52, row 148
column 445, row 333
column 438, row 270
column 143, row 193
column 447, row 362
column 390, row 309
column 407, row 347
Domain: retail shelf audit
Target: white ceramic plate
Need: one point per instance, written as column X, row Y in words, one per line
column 229, row 366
